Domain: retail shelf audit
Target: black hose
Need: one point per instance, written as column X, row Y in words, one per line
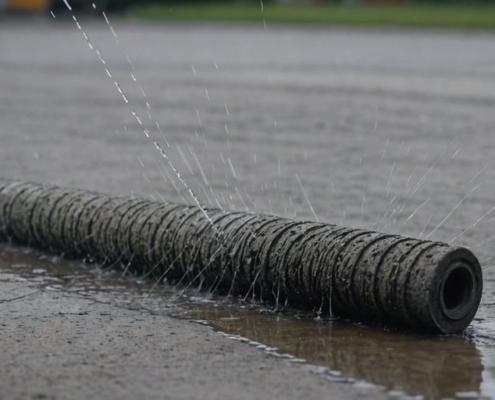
column 342, row 271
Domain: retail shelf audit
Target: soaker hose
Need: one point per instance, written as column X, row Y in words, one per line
column 368, row 275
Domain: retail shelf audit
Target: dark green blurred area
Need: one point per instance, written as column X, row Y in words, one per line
column 438, row 14
column 121, row 5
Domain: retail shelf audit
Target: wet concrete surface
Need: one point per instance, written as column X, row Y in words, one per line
column 359, row 358
column 390, row 130
column 73, row 331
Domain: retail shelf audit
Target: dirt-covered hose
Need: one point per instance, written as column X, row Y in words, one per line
column 374, row 276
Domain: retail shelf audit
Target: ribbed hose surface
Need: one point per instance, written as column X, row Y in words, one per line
column 336, row 269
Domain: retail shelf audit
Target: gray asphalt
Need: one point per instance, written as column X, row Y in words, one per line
column 375, row 124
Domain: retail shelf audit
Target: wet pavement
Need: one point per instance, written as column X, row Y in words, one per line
column 343, row 352
column 386, row 129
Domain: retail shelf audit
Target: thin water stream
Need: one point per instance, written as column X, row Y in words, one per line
column 431, row 367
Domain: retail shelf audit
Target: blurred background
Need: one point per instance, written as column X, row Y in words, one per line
column 422, row 13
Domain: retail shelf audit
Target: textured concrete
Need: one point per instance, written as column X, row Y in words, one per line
column 59, row 345
column 351, row 112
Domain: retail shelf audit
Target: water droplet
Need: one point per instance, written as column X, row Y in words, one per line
column 68, row 5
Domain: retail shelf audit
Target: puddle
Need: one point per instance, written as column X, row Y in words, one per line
column 431, row 367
